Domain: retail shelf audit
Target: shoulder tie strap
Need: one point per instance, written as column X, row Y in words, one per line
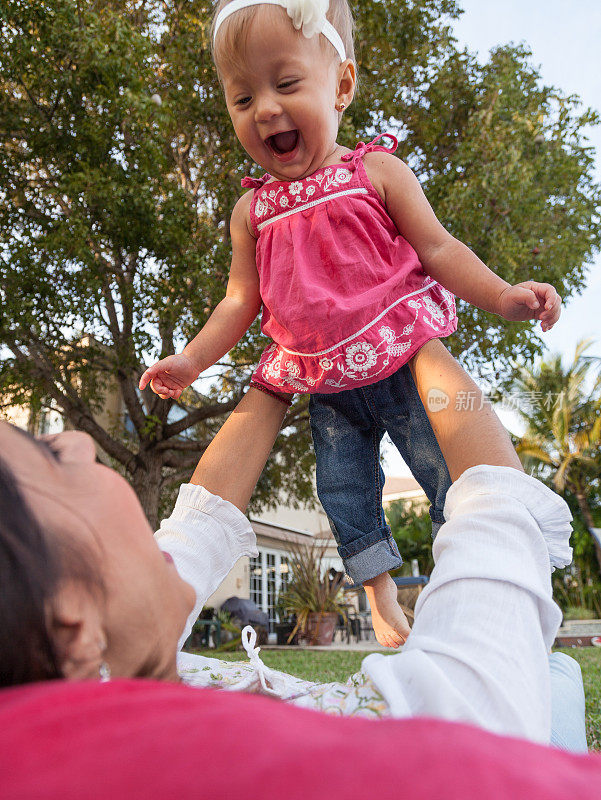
column 249, row 640
column 254, row 183
column 361, row 149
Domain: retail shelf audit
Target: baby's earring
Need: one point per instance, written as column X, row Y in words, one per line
column 340, row 107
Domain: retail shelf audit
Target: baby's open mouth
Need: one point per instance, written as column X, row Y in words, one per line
column 283, row 142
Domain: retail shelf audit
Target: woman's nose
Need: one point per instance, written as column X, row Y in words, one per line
column 267, row 106
column 73, row 447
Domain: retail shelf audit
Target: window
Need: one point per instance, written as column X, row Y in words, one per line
column 256, row 581
column 269, row 574
column 284, row 572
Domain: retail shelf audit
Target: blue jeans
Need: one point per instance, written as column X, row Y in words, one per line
column 347, row 429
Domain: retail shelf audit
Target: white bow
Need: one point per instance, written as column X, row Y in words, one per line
column 308, row 15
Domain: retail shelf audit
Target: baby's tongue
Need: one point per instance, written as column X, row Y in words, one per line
column 284, row 142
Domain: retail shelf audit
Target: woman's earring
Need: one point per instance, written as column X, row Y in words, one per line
column 105, row 672
column 340, row 107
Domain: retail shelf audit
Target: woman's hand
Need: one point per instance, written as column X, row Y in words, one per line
column 531, row 300
column 170, row 376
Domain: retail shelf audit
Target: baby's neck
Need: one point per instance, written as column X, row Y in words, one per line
column 333, row 159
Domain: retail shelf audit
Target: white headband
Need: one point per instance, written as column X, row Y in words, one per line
column 310, row 15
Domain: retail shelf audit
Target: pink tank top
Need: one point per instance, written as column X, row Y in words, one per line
column 345, row 298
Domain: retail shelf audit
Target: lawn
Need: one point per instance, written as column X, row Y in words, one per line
column 337, row 665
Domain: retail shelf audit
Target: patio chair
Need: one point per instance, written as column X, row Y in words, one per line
column 349, row 625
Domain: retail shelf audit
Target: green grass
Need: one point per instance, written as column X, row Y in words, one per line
column 337, row 665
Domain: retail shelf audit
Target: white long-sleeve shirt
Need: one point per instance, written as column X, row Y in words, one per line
column 484, row 625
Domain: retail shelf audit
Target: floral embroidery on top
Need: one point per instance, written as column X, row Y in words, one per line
column 294, row 194
column 360, row 357
column 350, row 353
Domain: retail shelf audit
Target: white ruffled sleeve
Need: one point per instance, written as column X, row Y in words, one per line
column 485, row 623
column 205, row 536
column 548, row 509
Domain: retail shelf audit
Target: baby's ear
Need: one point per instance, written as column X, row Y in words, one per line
column 347, row 80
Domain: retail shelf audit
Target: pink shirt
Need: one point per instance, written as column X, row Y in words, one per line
column 345, row 298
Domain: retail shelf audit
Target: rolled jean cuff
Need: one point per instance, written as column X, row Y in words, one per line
column 373, row 554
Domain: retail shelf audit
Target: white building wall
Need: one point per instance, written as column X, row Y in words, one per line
column 297, row 519
column 236, row 584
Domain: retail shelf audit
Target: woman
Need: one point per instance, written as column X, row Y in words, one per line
column 87, row 589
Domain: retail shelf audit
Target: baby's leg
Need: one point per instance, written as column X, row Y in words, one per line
column 468, row 430
column 401, row 412
column 349, row 485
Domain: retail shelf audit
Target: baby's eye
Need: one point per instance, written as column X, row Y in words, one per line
column 242, row 101
column 286, row 84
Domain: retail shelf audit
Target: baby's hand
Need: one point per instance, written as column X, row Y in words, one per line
column 170, row 376
column 531, row 300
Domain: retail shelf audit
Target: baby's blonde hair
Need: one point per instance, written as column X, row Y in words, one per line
column 233, row 33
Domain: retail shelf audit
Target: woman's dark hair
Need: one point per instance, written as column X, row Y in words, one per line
column 30, row 572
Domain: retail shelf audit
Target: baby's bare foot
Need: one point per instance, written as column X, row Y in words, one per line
column 389, row 623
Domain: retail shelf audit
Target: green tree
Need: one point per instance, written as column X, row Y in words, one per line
column 411, row 529
column 119, row 170
column 562, row 442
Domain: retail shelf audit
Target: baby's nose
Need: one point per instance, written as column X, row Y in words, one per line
column 267, row 106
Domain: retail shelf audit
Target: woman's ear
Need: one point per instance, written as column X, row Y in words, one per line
column 75, row 620
column 347, row 79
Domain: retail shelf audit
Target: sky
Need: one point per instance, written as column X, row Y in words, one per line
column 565, row 39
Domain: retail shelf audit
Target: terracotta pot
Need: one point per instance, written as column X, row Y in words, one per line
column 320, row 629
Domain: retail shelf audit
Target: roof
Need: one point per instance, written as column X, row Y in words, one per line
column 400, row 486
column 283, row 534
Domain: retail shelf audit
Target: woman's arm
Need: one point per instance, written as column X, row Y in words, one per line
column 207, row 532
column 468, row 433
column 228, row 322
column 478, row 651
column 449, row 261
column 231, row 465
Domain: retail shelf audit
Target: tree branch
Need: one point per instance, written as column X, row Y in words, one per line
column 184, row 446
column 181, row 461
column 71, row 404
column 198, row 415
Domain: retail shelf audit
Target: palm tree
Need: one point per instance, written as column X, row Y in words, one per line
column 563, row 436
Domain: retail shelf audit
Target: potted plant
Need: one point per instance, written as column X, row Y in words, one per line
column 285, row 627
column 312, row 596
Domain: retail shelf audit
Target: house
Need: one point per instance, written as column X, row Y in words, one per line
column 262, row 578
column 37, row 423
column 283, row 528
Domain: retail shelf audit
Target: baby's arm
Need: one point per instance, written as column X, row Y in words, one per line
column 228, row 322
column 449, row 261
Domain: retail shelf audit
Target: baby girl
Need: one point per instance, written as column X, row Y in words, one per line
column 353, row 270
